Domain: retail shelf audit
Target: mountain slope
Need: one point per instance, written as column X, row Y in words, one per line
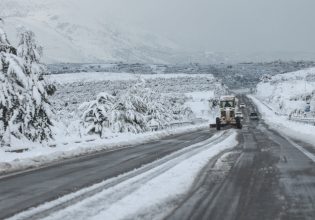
column 72, row 32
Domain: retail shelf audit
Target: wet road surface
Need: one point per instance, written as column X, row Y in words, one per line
column 22, row 191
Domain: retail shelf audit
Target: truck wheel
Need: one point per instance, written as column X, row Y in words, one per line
column 238, row 123
column 218, row 123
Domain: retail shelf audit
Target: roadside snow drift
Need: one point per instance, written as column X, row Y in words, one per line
column 287, row 103
column 150, row 194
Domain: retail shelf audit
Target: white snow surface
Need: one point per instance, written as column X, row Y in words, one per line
column 199, row 103
column 67, row 78
column 286, row 93
column 150, row 195
column 284, row 96
column 281, row 123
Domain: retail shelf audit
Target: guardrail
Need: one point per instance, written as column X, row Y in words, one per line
column 179, row 124
column 301, row 119
column 310, row 121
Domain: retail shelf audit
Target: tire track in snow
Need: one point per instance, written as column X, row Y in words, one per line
column 132, row 180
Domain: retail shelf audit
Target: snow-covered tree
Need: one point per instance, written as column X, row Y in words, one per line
column 97, row 114
column 158, row 115
column 28, row 49
column 31, row 52
column 156, row 108
column 129, row 113
column 136, row 110
column 125, row 118
column 24, row 108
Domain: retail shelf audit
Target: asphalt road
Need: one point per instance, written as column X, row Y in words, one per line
column 22, row 191
column 265, row 178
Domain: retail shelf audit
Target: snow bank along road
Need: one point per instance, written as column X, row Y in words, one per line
column 29, row 189
column 267, row 176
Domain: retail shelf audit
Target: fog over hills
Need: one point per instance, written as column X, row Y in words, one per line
column 71, row 34
column 80, row 31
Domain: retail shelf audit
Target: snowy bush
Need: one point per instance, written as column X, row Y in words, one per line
column 158, row 115
column 125, row 116
column 97, row 113
column 136, row 110
column 24, row 107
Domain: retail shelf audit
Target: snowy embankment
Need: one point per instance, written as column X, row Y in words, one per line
column 149, row 192
column 289, row 93
column 287, row 103
column 72, row 141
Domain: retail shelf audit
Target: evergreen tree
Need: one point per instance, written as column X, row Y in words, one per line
column 5, row 45
column 128, row 114
column 28, row 48
column 31, row 53
column 24, row 108
column 158, row 115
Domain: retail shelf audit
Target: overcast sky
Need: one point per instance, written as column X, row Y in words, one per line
column 225, row 25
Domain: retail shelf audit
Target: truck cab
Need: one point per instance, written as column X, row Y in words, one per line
column 228, row 107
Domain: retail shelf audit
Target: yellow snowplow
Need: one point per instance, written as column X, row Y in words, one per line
column 228, row 107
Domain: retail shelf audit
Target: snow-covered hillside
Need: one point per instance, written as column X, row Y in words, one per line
column 77, row 31
column 289, row 93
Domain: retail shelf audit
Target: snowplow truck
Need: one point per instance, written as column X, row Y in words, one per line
column 227, row 118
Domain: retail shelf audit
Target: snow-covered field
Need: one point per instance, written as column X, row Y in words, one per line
column 75, row 89
column 67, row 78
column 288, row 93
column 149, row 192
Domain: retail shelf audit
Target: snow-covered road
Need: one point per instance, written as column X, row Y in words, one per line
column 255, row 173
column 150, row 187
column 178, row 158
